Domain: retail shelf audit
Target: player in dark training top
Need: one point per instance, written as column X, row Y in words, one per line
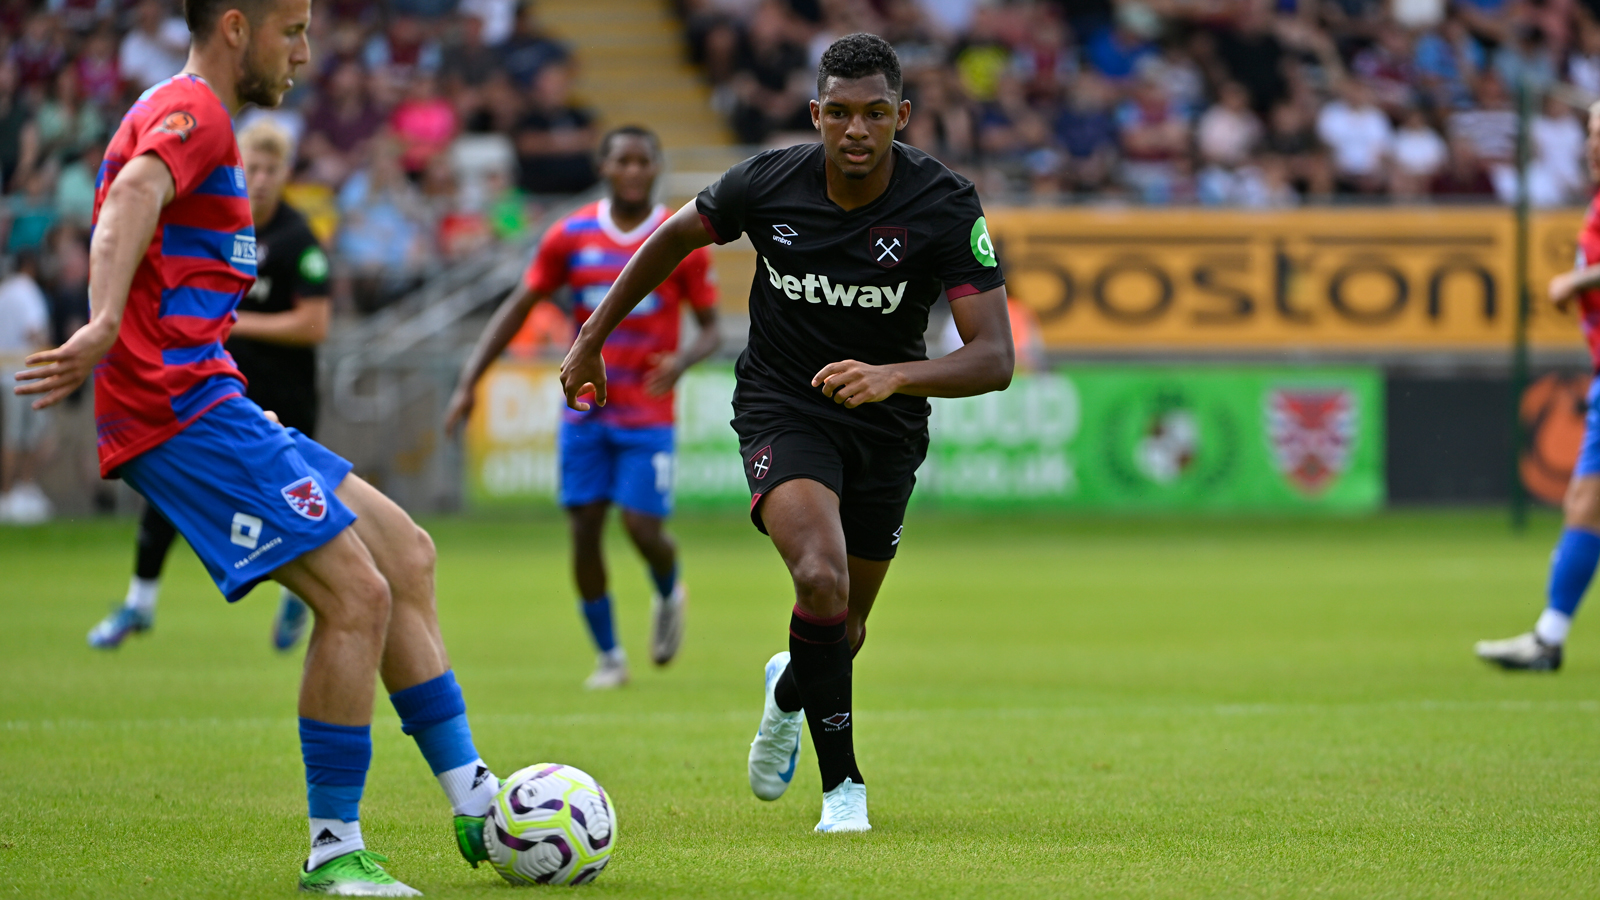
column 857, row 237
column 273, row 342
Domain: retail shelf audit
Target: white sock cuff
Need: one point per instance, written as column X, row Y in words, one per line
column 330, row 838
column 470, row 788
column 1553, row 626
column 142, row 594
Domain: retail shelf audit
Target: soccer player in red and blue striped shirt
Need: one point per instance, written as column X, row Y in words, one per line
column 172, row 254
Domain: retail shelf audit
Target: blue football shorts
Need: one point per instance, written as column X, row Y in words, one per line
column 631, row 467
column 247, row 494
column 1589, row 456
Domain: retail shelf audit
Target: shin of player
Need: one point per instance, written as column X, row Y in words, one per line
column 1573, row 562
column 254, row 499
column 857, row 237
column 623, row 454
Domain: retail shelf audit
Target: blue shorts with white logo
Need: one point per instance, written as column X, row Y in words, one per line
column 631, row 467
column 1589, row 455
column 247, row 494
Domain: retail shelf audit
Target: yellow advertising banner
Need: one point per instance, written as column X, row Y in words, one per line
column 1358, row 279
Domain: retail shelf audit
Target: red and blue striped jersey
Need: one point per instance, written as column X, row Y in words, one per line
column 587, row 252
column 168, row 366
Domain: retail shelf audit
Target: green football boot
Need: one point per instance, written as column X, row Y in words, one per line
column 469, row 839
column 355, row 874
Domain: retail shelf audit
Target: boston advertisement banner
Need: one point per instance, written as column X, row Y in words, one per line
column 1087, row 438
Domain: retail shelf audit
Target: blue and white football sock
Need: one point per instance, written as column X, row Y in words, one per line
column 597, row 613
column 435, row 714
column 337, row 758
column 1572, row 567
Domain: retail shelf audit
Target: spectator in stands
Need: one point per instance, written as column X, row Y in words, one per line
column 24, row 329
column 942, row 124
column 1419, row 155
column 1229, row 131
column 775, row 81
column 1360, row 138
column 529, row 50
column 424, row 123
column 1583, row 64
column 1446, row 63
column 1387, row 68
column 1292, row 140
column 67, row 122
column 1087, row 131
column 1465, row 178
column 340, row 124
column 1155, row 143
column 155, row 49
column 19, row 139
column 1557, row 146
column 32, row 210
column 405, row 48
column 555, row 139
column 498, row 108
column 469, row 62
column 98, row 76
column 74, row 197
column 1115, row 49
column 384, row 241
column 1491, row 127
column 1254, row 56
column 39, row 53
column 1526, row 59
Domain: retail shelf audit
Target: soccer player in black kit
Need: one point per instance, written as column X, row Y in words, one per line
column 857, row 237
column 280, row 322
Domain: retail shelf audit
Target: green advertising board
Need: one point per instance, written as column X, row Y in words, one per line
column 1105, row 437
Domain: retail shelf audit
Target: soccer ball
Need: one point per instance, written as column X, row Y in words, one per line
column 550, row 824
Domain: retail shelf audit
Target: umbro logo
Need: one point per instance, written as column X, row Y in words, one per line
column 479, row 776
column 784, row 233
column 325, row 838
column 836, row 722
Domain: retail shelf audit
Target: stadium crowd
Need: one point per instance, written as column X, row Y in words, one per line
column 1259, row 103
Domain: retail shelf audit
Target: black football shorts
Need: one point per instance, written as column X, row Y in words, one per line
column 873, row 476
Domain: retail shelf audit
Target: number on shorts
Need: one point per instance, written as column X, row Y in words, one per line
column 663, row 465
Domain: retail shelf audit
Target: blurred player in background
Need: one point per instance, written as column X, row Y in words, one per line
column 172, row 255
column 858, row 235
column 280, row 322
column 1573, row 563
column 623, row 453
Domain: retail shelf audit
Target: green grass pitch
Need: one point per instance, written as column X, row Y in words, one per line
column 1045, row 707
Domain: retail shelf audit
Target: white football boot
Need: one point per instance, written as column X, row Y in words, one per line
column 1525, row 651
column 844, row 808
column 610, row 671
column 776, row 749
column 666, row 623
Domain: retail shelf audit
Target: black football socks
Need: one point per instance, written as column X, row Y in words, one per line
column 819, row 667
column 787, row 695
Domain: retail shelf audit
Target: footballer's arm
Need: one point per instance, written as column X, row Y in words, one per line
column 303, row 325
column 1567, row 285
column 673, row 365
column 127, row 221
column 583, row 370
column 984, row 363
column 503, row 326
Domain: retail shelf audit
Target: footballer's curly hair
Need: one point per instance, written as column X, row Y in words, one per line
column 857, row 56
column 623, row 131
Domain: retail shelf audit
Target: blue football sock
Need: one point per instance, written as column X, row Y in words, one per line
column 435, row 714
column 1571, row 568
column 337, row 758
column 598, row 614
column 665, row 583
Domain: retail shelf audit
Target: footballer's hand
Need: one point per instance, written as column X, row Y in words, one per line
column 853, row 383
column 1562, row 291
column 271, row 417
column 664, row 373
column 57, row 373
column 460, row 409
column 582, row 372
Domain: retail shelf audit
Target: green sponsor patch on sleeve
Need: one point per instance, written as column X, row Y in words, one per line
column 982, row 246
column 314, row 265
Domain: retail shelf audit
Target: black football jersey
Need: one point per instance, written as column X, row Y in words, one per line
column 289, row 264
column 832, row 285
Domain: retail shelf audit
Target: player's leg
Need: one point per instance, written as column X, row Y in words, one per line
column 588, row 480
column 802, row 517
column 1572, row 565
column 866, row 579
column 137, row 612
column 644, row 491
column 415, row 666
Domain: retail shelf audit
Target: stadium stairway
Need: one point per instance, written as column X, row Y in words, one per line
column 632, row 70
